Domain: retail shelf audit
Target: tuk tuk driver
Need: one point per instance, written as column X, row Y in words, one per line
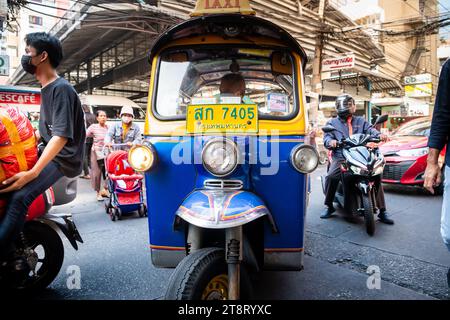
column 124, row 131
column 233, row 84
column 347, row 124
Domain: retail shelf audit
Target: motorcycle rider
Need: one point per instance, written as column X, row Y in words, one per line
column 347, row 124
column 62, row 134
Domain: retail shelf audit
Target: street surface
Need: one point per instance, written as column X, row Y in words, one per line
column 115, row 262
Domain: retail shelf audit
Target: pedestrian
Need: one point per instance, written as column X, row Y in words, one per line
column 62, row 134
column 97, row 132
column 125, row 131
column 440, row 138
column 347, row 124
column 89, row 119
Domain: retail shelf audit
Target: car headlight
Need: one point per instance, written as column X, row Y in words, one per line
column 304, row 158
column 142, row 158
column 220, row 156
column 413, row 152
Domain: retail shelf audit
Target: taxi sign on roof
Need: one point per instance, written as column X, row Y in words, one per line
column 205, row 7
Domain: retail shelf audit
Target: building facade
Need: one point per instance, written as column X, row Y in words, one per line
column 37, row 16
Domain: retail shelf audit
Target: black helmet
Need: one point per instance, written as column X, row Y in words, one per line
column 343, row 105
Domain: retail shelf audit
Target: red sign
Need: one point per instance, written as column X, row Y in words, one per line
column 338, row 63
column 20, row 98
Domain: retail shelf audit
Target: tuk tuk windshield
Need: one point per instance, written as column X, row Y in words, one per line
column 211, row 76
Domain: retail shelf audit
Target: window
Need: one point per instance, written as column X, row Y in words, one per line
column 35, row 20
column 196, row 79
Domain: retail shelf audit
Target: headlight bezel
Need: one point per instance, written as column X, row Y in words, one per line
column 297, row 149
column 150, row 149
column 222, row 140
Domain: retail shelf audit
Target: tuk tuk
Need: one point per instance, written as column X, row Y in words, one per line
column 226, row 171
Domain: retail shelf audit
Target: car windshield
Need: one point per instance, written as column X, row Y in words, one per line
column 415, row 128
column 195, row 76
column 113, row 112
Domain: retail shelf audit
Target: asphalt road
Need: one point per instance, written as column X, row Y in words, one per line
column 114, row 262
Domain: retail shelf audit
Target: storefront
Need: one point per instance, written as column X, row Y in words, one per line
column 401, row 110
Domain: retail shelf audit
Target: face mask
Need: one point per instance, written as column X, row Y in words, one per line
column 126, row 119
column 26, row 64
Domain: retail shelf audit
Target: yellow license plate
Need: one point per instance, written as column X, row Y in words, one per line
column 223, row 118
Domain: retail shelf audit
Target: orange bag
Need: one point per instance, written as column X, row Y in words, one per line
column 18, row 150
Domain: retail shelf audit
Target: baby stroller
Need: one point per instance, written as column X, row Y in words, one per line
column 124, row 186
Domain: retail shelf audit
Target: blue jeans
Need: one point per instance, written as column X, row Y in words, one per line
column 20, row 200
column 445, row 218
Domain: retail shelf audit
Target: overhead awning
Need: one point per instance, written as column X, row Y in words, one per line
column 95, row 30
column 378, row 82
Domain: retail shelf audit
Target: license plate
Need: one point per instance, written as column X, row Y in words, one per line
column 222, row 118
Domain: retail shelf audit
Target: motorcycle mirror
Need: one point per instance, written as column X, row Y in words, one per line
column 381, row 119
column 328, row 128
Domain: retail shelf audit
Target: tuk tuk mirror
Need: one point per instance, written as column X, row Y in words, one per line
column 177, row 57
column 281, row 64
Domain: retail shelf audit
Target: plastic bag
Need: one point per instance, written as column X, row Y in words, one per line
column 18, row 150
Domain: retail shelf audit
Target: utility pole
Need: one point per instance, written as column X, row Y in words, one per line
column 316, row 83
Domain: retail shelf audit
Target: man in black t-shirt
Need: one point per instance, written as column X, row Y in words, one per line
column 62, row 133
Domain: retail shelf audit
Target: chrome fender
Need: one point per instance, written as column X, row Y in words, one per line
column 222, row 209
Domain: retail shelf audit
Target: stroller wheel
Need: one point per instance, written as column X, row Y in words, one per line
column 112, row 214
column 142, row 211
column 108, row 205
column 119, row 213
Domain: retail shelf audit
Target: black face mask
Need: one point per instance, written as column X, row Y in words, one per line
column 26, row 64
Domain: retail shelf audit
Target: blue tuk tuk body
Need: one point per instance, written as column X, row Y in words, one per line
column 284, row 197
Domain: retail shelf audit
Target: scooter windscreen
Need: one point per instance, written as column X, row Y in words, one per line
column 359, row 156
column 358, row 139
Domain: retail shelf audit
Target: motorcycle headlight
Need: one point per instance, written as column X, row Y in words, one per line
column 220, row 157
column 142, row 158
column 413, row 152
column 356, row 170
column 304, row 158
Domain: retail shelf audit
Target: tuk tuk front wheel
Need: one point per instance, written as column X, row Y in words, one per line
column 202, row 275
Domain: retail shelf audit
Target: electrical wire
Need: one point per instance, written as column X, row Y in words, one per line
column 67, row 9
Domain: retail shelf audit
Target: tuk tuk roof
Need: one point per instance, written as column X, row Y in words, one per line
column 250, row 25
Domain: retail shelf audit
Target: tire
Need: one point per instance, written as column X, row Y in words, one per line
column 112, row 214
column 119, row 214
column 323, row 157
column 108, row 204
column 191, row 278
column 369, row 213
column 142, row 211
column 41, row 235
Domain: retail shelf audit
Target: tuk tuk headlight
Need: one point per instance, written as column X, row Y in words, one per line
column 142, row 158
column 220, row 157
column 304, row 158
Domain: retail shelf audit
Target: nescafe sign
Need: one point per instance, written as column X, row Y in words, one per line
column 20, row 98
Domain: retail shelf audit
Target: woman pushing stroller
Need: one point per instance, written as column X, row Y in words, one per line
column 124, row 184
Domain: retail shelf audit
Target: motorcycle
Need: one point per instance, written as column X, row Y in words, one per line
column 39, row 243
column 361, row 174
